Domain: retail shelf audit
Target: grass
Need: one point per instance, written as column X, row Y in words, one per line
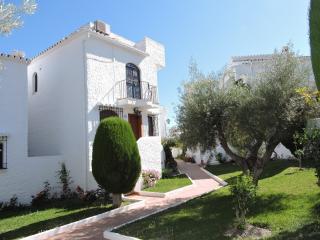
column 286, row 203
column 168, row 184
column 23, row 222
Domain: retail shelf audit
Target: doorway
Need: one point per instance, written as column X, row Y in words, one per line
column 135, row 122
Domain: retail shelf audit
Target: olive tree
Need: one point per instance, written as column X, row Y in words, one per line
column 249, row 121
column 10, row 14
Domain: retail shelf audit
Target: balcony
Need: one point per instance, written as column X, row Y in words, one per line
column 141, row 94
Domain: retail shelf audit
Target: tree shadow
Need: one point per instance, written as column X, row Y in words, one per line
column 272, row 168
column 63, row 205
column 309, row 231
column 51, row 223
column 208, row 217
column 268, row 203
column 223, row 168
column 277, row 166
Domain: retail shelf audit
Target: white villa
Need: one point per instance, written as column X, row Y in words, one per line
column 52, row 104
column 247, row 68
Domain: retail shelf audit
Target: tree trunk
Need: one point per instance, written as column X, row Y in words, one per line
column 257, row 171
column 260, row 162
column 223, row 141
column 253, row 154
column 116, row 200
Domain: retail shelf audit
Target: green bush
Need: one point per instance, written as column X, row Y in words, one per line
column 170, row 163
column 116, row 162
column 220, row 158
column 167, row 173
column 243, row 193
column 314, row 22
column 65, row 181
column 309, row 147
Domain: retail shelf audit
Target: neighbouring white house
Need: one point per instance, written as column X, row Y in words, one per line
column 52, row 104
column 246, row 69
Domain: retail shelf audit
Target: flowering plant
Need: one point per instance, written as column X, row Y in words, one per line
column 150, row 177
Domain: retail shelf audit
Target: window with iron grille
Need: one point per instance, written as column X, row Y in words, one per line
column 110, row 111
column 153, row 125
column 133, row 81
column 3, row 152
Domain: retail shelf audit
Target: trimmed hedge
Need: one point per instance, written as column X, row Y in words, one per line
column 314, row 22
column 116, row 162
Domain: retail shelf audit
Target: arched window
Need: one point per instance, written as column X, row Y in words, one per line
column 133, row 81
column 35, row 82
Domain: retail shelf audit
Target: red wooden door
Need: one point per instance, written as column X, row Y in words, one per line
column 135, row 122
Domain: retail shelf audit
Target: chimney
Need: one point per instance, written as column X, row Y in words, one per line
column 101, row 27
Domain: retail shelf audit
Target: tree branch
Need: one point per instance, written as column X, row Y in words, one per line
column 223, row 141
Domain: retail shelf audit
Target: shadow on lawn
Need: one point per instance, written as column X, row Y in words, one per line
column 272, row 168
column 307, row 232
column 207, row 217
column 60, row 205
column 51, row 223
column 269, row 203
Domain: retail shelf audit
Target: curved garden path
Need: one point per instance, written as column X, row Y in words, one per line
column 202, row 184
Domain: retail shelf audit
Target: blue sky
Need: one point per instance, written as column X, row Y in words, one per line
column 210, row 31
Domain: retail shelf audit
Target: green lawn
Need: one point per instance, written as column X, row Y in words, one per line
column 168, row 184
column 286, row 204
column 21, row 223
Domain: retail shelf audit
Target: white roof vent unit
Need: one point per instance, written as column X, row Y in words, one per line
column 101, row 27
column 18, row 53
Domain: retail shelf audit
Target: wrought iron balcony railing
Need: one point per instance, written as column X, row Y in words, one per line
column 133, row 90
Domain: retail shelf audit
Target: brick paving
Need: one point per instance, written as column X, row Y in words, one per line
column 202, row 184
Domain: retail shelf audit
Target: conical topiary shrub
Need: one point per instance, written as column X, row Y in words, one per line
column 314, row 22
column 116, row 162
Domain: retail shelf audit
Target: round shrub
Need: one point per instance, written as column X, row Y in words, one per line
column 116, row 162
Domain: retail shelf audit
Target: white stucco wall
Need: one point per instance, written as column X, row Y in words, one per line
column 24, row 176
column 282, row 152
column 57, row 111
column 209, row 157
column 150, row 150
column 28, row 176
column 13, row 123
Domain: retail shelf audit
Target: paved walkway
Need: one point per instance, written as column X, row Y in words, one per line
column 203, row 184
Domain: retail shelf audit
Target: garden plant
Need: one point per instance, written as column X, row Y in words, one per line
column 116, row 162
